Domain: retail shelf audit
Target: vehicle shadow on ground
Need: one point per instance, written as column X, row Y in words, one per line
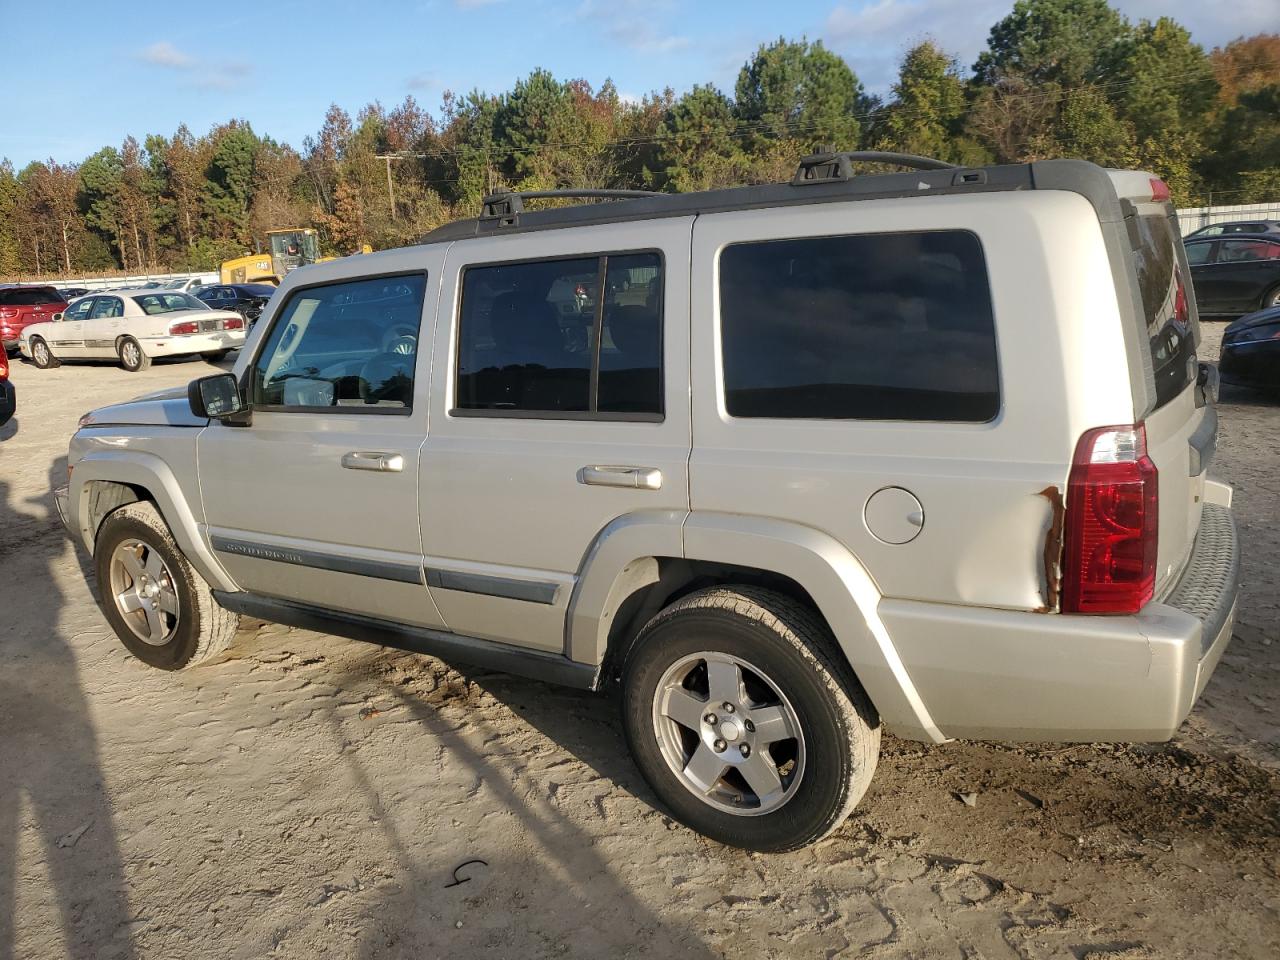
column 50, row 775
column 9, row 429
column 544, row 881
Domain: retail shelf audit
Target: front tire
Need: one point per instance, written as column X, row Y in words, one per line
column 131, row 356
column 42, row 356
column 160, row 608
column 745, row 722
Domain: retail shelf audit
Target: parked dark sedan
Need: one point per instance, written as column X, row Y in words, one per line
column 1235, row 274
column 1236, row 226
column 247, row 299
column 1251, row 351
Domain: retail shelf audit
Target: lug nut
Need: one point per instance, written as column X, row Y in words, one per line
column 710, row 718
column 751, row 727
column 745, row 751
column 727, row 706
column 719, row 746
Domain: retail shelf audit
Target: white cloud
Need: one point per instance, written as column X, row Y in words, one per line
column 631, row 23
column 203, row 75
column 165, row 54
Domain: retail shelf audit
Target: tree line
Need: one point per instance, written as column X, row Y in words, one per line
column 1057, row 78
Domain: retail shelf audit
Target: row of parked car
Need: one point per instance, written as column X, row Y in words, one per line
column 134, row 326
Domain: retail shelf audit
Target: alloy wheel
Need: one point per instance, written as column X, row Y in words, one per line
column 728, row 733
column 142, row 588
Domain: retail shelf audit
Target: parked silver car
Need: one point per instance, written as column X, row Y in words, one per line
column 785, row 465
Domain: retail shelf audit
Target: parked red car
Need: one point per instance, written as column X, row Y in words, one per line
column 8, row 399
column 23, row 305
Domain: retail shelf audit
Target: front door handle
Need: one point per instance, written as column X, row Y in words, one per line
column 379, row 462
column 637, row 478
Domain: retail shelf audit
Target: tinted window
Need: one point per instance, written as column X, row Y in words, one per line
column 350, row 345
column 1240, row 251
column 253, row 290
column 1198, row 253
column 872, row 327
column 580, row 336
column 29, row 296
column 1164, row 301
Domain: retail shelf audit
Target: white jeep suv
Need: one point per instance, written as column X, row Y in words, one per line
column 786, row 465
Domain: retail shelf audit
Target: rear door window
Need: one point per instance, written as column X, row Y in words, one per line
column 864, row 327
column 1165, row 304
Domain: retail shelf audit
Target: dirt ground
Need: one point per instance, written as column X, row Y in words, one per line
column 311, row 797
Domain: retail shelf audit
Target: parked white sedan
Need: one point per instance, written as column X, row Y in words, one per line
column 134, row 327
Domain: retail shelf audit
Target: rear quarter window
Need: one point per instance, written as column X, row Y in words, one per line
column 863, row 327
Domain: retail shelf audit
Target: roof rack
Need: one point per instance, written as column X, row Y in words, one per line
column 829, row 165
column 510, row 203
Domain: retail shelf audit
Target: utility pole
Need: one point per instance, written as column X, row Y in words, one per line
column 391, row 190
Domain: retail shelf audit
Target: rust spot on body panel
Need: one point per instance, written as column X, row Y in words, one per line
column 1053, row 551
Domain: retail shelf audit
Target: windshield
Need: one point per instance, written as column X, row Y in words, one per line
column 153, row 303
column 296, row 246
column 177, row 284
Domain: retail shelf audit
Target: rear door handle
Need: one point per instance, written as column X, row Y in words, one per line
column 637, row 478
column 378, row 462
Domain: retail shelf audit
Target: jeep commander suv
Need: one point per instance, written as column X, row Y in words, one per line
column 783, row 465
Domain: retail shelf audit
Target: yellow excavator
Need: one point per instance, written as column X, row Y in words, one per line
column 286, row 250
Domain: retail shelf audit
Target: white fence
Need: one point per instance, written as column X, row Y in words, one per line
column 124, row 283
column 1197, row 217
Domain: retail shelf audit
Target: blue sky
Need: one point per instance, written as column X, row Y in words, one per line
column 85, row 73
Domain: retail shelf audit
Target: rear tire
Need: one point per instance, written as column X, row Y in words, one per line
column 1271, row 298
column 160, row 608
column 131, row 356
column 745, row 721
column 42, row 356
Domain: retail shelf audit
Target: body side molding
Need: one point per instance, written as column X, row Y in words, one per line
column 548, row 667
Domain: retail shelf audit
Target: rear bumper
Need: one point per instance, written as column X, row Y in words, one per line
column 1004, row 675
column 194, row 343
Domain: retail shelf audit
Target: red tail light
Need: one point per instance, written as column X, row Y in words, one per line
column 4, row 365
column 1109, row 560
column 185, row 327
column 1159, row 189
column 232, row 323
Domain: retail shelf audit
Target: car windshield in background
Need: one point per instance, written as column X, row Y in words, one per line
column 29, row 297
column 153, row 303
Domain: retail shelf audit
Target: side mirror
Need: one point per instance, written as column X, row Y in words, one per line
column 58, row 316
column 218, row 398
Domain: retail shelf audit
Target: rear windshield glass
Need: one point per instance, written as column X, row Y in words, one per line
column 866, row 327
column 1165, row 305
column 153, row 303
column 29, row 297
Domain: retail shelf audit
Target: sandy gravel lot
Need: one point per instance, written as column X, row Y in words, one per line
column 310, row 797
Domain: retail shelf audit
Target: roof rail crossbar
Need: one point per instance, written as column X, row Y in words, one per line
column 499, row 206
column 835, row 165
